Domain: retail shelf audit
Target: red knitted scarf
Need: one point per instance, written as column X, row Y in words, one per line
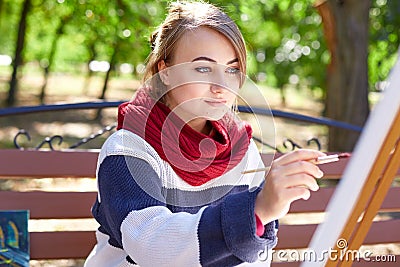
column 195, row 157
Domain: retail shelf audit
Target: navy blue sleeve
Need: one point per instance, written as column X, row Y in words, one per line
column 235, row 241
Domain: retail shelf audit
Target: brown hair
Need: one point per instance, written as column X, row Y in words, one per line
column 187, row 15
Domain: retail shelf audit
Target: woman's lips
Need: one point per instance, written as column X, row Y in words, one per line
column 215, row 102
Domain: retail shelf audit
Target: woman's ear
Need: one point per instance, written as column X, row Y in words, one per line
column 163, row 72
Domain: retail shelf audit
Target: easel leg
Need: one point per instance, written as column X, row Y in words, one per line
column 372, row 195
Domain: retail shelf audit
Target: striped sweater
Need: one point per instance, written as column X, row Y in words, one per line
column 149, row 216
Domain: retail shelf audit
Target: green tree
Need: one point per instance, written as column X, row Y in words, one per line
column 19, row 47
column 384, row 41
column 285, row 40
column 65, row 14
column 346, row 28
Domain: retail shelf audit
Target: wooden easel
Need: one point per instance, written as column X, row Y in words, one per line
column 373, row 193
column 365, row 182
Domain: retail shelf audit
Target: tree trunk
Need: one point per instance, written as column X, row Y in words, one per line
column 18, row 52
column 47, row 68
column 346, row 27
column 89, row 74
column 59, row 32
column 107, row 78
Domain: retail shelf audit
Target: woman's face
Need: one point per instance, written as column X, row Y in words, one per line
column 202, row 77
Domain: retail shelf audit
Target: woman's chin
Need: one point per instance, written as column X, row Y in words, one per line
column 214, row 115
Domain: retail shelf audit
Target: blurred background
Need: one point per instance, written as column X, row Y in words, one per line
column 318, row 58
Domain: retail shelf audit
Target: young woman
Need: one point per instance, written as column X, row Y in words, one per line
column 171, row 188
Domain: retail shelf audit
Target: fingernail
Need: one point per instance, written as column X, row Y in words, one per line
column 320, row 174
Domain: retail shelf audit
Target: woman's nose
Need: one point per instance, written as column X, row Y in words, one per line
column 218, row 84
column 216, row 88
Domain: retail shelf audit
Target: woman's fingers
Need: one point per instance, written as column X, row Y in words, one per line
column 290, row 178
column 299, row 155
column 296, row 193
column 299, row 167
column 297, row 180
column 300, row 180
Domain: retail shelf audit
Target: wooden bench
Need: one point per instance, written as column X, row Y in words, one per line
column 76, row 244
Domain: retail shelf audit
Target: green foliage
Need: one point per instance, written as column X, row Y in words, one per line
column 284, row 37
column 9, row 18
column 285, row 42
column 384, row 40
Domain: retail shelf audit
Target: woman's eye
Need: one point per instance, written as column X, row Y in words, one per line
column 203, row 69
column 232, row 70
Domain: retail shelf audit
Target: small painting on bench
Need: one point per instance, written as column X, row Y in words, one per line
column 14, row 238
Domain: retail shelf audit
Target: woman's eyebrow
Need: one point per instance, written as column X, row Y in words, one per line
column 212, row 60
column 204, row 58
column 232, row 61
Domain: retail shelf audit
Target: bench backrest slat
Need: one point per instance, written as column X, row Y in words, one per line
column 49, row 205
column 299, row 236
column 332, row 170
column 43, row 164
column 61, row 245
column 320, row 199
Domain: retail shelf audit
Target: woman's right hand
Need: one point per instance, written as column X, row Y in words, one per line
column 290, row 178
